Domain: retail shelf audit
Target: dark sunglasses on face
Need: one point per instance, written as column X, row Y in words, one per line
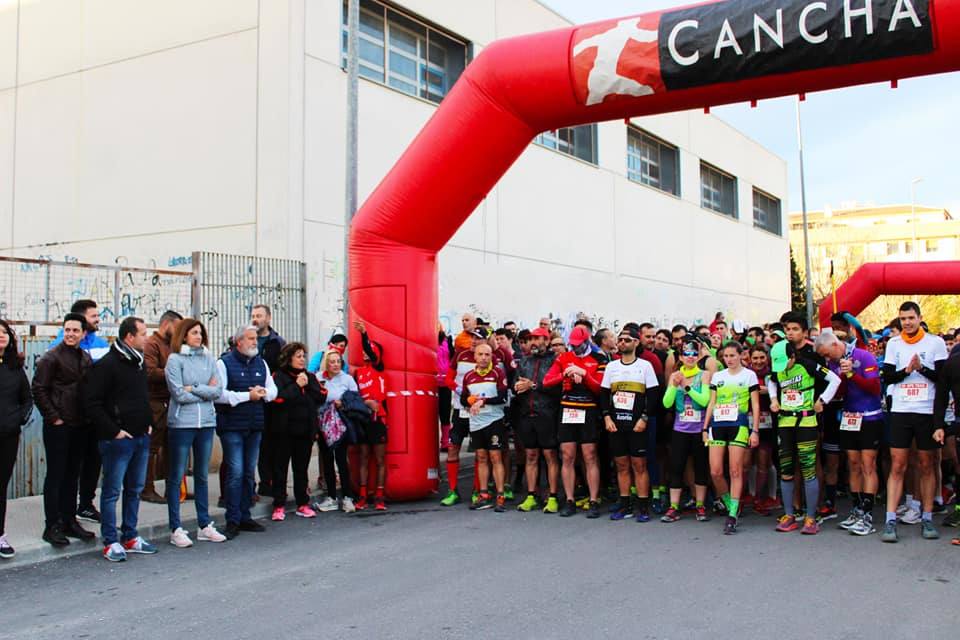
column 626, row 339
column 690, row 354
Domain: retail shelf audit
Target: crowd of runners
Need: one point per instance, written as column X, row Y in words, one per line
column 643, row 422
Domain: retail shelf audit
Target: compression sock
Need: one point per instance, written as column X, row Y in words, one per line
column 363, row 491
column 866, row 502
column 476, row 477
column 624, row 501
column 734, row 508
column 786, row 490
column 675, row 506
column 856, row 497
column 927, row 516
column 812, row 489
column 656, row 493
column 643, row 504
column 830, row 495
column 379, row 493
column 453, row 470
column 725, row 498
column 699, row 504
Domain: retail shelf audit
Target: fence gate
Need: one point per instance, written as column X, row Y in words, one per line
column 226, row 288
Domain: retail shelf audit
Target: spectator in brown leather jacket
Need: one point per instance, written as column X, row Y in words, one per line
column 56, row 391
column 155, row 355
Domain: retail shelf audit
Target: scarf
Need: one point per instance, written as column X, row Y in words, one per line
column 128, row 353
column 484, row 372
column 915, row 339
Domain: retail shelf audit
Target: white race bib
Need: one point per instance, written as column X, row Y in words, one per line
column 465, row 413
column 574, row 416
column 766, row 421
column 624, row 400
column 913, row 392
column 691, row 415
column 792, row 399
column 726, row 412
column 851, row 421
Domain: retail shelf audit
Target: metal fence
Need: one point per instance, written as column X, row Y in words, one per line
column 40, row 292
column 221, row 291
column 226, row 288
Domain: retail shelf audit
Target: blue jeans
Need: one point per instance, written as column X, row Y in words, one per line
column 179, row 444
column 124, row 468
column 241, row 449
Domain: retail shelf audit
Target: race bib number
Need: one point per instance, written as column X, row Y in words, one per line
column 913, row 392
column 574, row 416
column 792, row 399
column 725, row 412
column 465, row 413
column 766, row 421
column 851, row 421
column 623, row 400
column 691, row 415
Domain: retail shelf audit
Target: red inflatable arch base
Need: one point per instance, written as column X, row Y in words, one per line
column 892, row 278
column 710, row 54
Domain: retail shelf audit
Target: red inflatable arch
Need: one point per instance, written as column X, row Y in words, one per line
column 892, row 278
column 692, row 58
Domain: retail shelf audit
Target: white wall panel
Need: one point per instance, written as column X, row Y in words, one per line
column 63, row 36
column 164, row 142
column 7, row 99
column 8, row 43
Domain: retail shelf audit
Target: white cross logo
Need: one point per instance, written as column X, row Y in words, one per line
column 604, row 80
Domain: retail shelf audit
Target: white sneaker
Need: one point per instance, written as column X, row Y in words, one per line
column 328, row 504
column 179, row 538
column 911, row 516
column 902, row 509
column 348, row 506
column 210, row 534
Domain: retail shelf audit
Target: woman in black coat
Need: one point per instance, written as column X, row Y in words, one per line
column 16, row 403
column 293, row 427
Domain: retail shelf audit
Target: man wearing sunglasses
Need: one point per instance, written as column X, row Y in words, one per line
column 627, row 402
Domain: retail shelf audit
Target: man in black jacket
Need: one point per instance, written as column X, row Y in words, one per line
column 269, row 345
column 118, row 406
column 56, row 384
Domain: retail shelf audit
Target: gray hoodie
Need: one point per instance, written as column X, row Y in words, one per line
column 192, row 368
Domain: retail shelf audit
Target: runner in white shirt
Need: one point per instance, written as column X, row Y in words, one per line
column 911, row 366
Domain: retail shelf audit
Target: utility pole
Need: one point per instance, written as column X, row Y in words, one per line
column 806, row 240
column 353, row 88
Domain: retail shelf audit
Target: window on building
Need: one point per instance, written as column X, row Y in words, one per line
column 718, row 190
column 766, row 212
column 652, row 162
column 907, row 247
column 931, row 246
column 405, row 54
column 893, row 248
column 579, row 142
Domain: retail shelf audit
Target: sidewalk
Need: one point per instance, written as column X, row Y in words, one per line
column 24, row 525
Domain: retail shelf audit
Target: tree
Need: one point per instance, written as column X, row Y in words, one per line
column 798, row 291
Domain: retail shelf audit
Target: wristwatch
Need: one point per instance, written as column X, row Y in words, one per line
column 686, row 388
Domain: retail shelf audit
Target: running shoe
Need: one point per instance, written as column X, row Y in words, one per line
column 614, row 507
column 508, row 492
column 326, row 505
column 569, row 509
column 279, row 514
column 88, row 513
column 863, row 526
column 702, row 515
column 657, row 506
column 6, row 551
column 642, row 516
column 955, row 542
column 529, row 504
column 115, row 552
column 672, row 515
column 451, row 499
column 484, row 501
column 622, row 513
column 348, row 506
column 474, row 497
column 787, row 523
column 210, row 534
column 361, row 503
column 501, row 504
column 939, row 508
column 952, row 519
column 593, row 510
column 826, row 512
column 551, row 506
column 948, row 494
column 730, row 526
column 890, row 532
column 139, row 545
column 379, row 504
column 911, row 516
column 810, row 526
column 852, row 519
column 179, row 538
column 719, row 508
column 928, row 531
column 583, row 503
column 689, row 505
column 902, row 509
column 304, row 511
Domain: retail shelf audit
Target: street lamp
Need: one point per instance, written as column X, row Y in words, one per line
column 913, row 214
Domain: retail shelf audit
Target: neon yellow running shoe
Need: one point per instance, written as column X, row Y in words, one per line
column 583, row 503
column 529, row 504
column 552, row 506
column 475, row 498
column 451, row 499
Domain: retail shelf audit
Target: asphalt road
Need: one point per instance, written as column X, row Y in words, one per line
column 432, row 573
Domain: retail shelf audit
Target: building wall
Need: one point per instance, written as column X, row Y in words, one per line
column 140, row 131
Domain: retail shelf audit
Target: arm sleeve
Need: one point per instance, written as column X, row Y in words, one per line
column 173, row 375
column 232, row 398
column 891, row 375
column 870, row 385
column 605, row 404
column 833, row 384
column 773, row 389
column 700, row 395
column 669, row 397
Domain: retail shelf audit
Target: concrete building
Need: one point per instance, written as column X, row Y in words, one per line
column 142, row 131
column 853, row 235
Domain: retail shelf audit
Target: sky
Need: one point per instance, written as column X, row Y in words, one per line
column 861, row 144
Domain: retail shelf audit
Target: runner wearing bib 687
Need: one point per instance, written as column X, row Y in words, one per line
column 732, row 423
column 911, row 368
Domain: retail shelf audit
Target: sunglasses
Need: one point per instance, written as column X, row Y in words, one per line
column 690, row 354
column 626, row 339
